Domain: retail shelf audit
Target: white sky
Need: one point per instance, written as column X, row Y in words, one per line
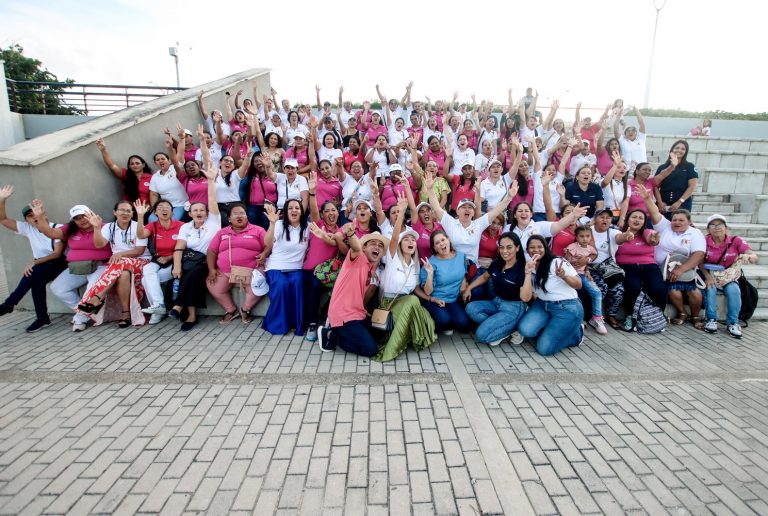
column 708, row 53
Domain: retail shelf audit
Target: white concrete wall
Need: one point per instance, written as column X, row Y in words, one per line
column 11, row 126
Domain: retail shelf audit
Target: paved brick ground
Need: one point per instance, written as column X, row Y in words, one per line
column 232, row 420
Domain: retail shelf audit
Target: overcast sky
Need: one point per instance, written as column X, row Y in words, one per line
column 708, row 53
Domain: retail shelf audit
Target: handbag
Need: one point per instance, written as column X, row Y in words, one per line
column 749, row 298
column 83, row 267
column 238, row 275
column 673, row 260
column 381, row 319
column 649, row 317
column 608, row 268
column 724, row 276
column 328, row 271
column 191, row 259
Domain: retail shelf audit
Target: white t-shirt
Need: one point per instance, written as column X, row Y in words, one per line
column 459, row 157
column 465, row 240
column 399, row 278
column 428, row 133
column 169, row 188
column 361, row 189
column 541, row 227
column 288, row 255
column 633, row 150
column 198, row 239
column 212, row 127
column 345, row 116
column 613, row 194
column 486, row 135
column 538, row 193
column 580, row 160
column 229, row 193
column 121, row 240
column 601, row 244
column 386, row 229
column 215, row 152
column 493, row 193
column 381, row 159
column 41, row 245
column 269, row 127
column 396, row 136
column 687, row 242
column 557, row 288
column 286, row 190
column 329, row 154
column 290, row 132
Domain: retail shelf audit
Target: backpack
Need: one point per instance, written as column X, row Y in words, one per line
column 749, row 299
column 649, row 317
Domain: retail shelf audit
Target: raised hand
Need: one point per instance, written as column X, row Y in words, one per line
column 6, row 191
column 37, row 207
column 339, row 162
column 643, row 191
column 316, row 230
column 427, row 265
column 100, row 144
column 512, row 189
column 429, row 180
column 628, row 235
column 94, row 219
column 348, row 229
column 209, row 173
column 402, row 200
column 674, row 160
column 560, row 269
column 271, row 213
column 616, row 157
column 180, row 131
column 141, row 208
column 530, row 265
column 560, row 189
column 653, row 238
column 312, row 181
column 546, row 177
column 579, row 211
column 200, row 132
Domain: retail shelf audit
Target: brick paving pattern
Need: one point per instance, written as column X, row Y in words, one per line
column 230, row 420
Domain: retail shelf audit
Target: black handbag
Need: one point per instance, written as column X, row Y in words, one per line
column 191, row 259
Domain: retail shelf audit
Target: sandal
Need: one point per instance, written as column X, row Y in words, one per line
column 679, row 320
column 697, row 322
column 90, row 308
column 229, row 317
column 124, row 323
column 245, row 316
column 612, row 322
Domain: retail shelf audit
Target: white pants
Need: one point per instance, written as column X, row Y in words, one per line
column 65, row 288
column 153, row 276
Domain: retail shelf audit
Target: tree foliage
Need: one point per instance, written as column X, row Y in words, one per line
column 35, row 99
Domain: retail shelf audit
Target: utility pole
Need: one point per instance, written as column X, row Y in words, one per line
column 174, row 53
column 653, row 51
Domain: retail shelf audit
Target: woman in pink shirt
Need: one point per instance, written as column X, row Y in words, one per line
column 241, row 245
column 471, row 133
column 353, row 153
column 425, row 225
column 303, row 152
column 436, row 152
column 641, row 273
column 605, row 152
column 329, row 182
column 260, row 187
column 374, row 129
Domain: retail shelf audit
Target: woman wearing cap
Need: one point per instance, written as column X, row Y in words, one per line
column 615, row 185
column 632, row 142
column 374, row 129
column 461, row 152
column 412, row 322
column 287, row 239
column 678, row 236
column 424, row 226
column 228, row 182
column 190, row 175
column 85, row 261
column 381, row 153
column 677, row 189
column 165, row 183
column 290, row 185
column 387, row 226
column 555, row 316
column 488, row 251
column 238, row 122
column 724, row 253
column 395, row 185
column 494, row 187
column 356, row 185
column 47, row 263
column 240, row 245
column 135, row 176
column 498, row 316
column 465, row 187
column 325, row 243
column 303, row 152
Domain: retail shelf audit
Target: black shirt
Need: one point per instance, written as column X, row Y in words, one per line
column 676, row 183
column 588, row 198
column 507, row 283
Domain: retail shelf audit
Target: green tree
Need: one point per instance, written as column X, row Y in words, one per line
column 34, row 98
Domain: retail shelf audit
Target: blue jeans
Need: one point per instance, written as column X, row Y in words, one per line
column 595, row 294
column 354, row 337
column 42, row 274
column 733, row 301
column 557, row 324
column 539, row 216
column 497, row 318
column 451, row 316
column 484, row 291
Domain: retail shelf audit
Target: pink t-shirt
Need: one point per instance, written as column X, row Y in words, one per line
column 389, row 192
column 604, row 161
column 347, row 299
column 416, row 134
column 636, row 201
column 234, row 126
column 197, row 189
column 359, row 116
column 328, row 190
column 460, row 191
column 318, row 250
column 259, row 192
column 246, row 246
column 372, row 133
column 714, row 251
column 636, row 251
column 301, row 156
column 471, row 138
column 520, row 198
column 489, row 247
column 438, row 158
column 229, row 149
column 81, row 248
column 576, row 250
column 360, row 232
column 350, row 158
column 422, row 244
column 189, row 152
column 589, row 134
column 562, row 240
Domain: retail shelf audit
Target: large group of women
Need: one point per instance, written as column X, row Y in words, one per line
column 373, row 230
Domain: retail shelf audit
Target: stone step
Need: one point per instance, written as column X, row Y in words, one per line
column 700, row 218
column 723, row 208
column 748, row 231
column 709, row 198
column 758, row 244
column 709, row 143
column 717, row 158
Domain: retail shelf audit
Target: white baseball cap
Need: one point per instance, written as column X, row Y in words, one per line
column 78, row 209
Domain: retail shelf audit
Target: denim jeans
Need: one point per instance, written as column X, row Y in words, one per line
column 42, row 274
column 733, row 302
column 557, row 324
column 595, row 294
column 484, row 291
column 497, row 318
column 354, row 337
column 451, row 316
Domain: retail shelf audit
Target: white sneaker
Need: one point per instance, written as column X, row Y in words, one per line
column 711, row 326
column 598, row 325
column 496, row 342
column 516, row 339
column 734, row 330
column 154, row 309
column 156, row 318
column 448, row 332
column 78, row 326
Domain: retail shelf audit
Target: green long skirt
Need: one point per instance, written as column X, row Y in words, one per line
column 412, row 325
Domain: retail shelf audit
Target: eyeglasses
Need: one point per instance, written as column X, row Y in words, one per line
column 124, row 211
column 717, row 226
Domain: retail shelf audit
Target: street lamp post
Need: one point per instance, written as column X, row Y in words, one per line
column 653, row 51
column 174, row 52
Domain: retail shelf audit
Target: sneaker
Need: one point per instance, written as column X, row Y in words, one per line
column 154, row 309
column 312, row 333
column 448, row 333
column 39, row 324
column 628, row 324
column 323, row 338
column 496, row 342
column 156, row 318
column 174, row 314
column 734, row 330
column 78, row 326
column 711, row 326
column 598, row 325
column 5, row 309
column 516, row 339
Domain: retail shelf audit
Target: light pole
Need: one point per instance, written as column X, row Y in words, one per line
column 653, row 51
column 174, row 52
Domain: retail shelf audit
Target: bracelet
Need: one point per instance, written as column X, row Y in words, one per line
column 311, row 195
column 178, row 250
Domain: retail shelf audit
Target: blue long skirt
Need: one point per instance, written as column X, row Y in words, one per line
column 286, row 302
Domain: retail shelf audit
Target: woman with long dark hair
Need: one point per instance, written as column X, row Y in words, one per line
column 678, row 187
column 135, row 176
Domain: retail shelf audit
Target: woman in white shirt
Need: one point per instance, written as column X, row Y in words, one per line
column 556, row 314
column 165, row 184
column 616, row 189
column 227, row 186
column 400, row 279
column 288, row 238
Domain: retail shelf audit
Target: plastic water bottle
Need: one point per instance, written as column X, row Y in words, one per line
column 175, row 288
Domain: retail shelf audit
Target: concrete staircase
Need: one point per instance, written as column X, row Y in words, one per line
column 733, row 181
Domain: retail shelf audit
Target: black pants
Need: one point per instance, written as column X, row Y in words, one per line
column 42, row 274
column 646, row 278
column 354, row 337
